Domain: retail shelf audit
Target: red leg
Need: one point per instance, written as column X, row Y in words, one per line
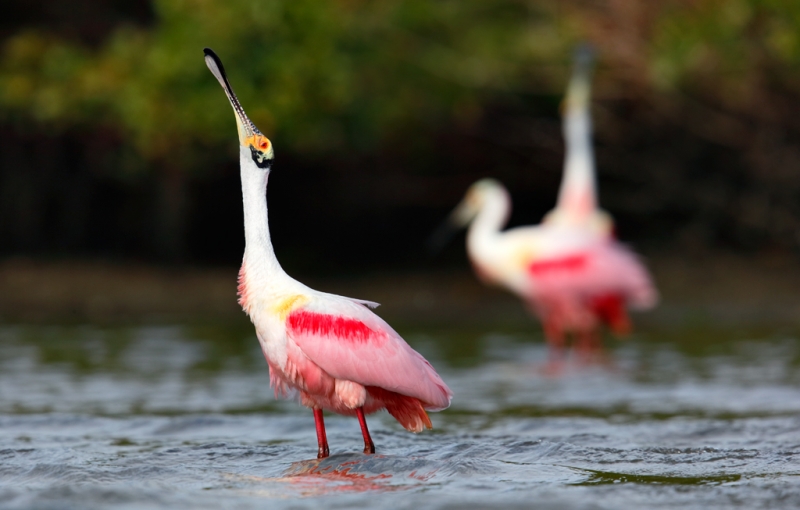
column 322, row 438
column 588, row 344
column 552, row 325
column 554, row 336
column 555, row 341
column 369, row 446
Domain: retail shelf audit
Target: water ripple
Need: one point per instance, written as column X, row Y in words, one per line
column 166, row 418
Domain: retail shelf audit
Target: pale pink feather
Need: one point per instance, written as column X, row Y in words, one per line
column 380, row 358
column 602, row 268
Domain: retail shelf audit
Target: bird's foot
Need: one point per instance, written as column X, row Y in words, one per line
column 369, row 448
column 324, row 452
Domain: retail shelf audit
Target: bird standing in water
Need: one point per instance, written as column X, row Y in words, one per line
column 332, row 350
column 569, row 269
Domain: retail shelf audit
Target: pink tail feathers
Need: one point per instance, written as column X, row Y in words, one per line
column 640, row 292
column 408, row 411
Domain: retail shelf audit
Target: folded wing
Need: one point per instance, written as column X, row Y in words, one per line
column 603, row 268
column 349, row 342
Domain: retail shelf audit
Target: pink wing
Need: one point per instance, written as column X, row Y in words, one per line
column 602, row 269
column 348, row 341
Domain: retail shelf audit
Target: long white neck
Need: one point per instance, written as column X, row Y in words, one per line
column 491, row 218
column 260, row 262
column 578, row 195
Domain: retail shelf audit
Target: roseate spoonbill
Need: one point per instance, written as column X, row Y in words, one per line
column 332, row 350
column 569, row 269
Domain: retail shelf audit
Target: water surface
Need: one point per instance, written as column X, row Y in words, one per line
column 183, row 417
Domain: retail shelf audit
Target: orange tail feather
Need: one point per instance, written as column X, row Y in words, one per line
column 408, row 411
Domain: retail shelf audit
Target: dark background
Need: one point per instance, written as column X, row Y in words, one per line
column 695, row 109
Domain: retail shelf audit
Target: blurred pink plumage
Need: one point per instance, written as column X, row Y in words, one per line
column 332, row 350
column 569, row 269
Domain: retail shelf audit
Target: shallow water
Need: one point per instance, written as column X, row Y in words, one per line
column 182, row 417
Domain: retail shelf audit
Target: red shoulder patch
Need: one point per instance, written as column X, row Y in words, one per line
column 329, row 325
column 563, row 264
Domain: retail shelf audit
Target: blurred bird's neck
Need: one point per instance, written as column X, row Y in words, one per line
column 259, row 262
column 577, row 195
column 492, row 216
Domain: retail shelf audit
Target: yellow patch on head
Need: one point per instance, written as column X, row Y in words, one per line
column 259, row 142
column 286, row 305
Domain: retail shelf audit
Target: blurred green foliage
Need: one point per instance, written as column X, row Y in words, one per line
column 727, row 50
column 696, row 100
column 344, row 74
column 316, row 76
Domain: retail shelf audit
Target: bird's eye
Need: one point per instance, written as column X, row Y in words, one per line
column 263, row 144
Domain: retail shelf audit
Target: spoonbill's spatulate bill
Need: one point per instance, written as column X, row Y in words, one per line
column 332, row 350
column 569, row 269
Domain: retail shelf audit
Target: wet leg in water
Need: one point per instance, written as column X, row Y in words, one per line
column 556, row 352
column 322, row 438
column 369, row 446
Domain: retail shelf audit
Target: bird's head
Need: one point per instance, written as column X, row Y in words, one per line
column 473, row 201
column 249, row 135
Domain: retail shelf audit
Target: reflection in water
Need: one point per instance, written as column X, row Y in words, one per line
column 318, row 478
column 166, row 417
column 342, row 473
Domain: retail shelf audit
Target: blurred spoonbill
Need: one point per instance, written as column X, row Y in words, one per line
column 569, row 269
column 332, row 350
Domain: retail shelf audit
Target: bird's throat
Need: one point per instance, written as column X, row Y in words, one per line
column 577, row 194
column 259, row 256
column 488, row 223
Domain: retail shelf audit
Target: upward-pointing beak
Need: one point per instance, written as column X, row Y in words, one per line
column 249, row 135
